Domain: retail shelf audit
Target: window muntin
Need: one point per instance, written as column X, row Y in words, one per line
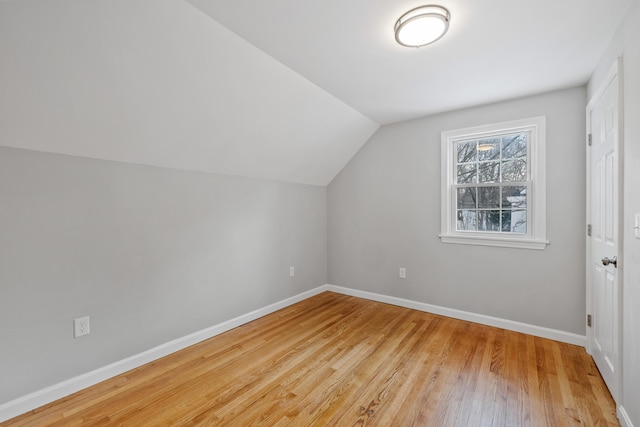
column 493, row 185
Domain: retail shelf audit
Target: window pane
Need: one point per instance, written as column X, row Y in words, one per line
column 466, row 198
column 489, row 220
column 506, row 221
column 514, row 197
column 489, row 149
column 514, row 171
column 489, row 172
column 466, row 151
column 466, row 174
column 514, row 221
column 514, row 146
column 488, row 197
column 467, row 220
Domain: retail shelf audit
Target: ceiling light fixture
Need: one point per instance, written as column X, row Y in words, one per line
column 422, row 26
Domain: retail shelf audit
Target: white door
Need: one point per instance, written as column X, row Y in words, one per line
column 603, row 257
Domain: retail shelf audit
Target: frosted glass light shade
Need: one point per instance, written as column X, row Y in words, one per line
column 422, row 26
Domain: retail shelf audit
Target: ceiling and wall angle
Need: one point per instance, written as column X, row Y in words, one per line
column 288, row 92
column 284, row 90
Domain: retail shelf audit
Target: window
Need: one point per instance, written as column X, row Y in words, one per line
column 493, row 185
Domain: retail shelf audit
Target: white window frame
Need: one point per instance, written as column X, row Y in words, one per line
column 535, row 238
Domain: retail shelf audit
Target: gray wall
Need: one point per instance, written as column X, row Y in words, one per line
column 625, row 43
column 150, row 254
column 384, row 213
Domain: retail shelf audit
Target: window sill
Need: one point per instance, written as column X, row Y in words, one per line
column 495, row 241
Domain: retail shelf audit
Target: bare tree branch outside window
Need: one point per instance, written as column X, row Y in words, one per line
column 491, row 184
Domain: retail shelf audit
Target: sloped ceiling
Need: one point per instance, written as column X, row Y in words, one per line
column 286, row 90
column 158, row 82
column 494, row 50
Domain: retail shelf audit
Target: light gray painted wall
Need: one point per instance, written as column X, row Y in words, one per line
column 384, row 213
column 150, row 254
column 625, row 43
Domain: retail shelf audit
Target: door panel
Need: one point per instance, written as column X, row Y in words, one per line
column 603, row 213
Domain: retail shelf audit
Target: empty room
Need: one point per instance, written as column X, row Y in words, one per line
column 333, row 213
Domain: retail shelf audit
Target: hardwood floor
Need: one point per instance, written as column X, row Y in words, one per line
column 335, row 360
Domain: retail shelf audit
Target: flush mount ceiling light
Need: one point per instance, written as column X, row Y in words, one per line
column 422, row 26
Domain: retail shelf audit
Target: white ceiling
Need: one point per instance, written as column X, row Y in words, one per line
column 494, row 50
column 157, row 82
column 286, row 90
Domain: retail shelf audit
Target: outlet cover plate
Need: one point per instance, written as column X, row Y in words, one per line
column 81, row 327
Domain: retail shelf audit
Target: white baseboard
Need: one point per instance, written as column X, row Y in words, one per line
column 34, row 400
column 526, row 328
column 625, row 421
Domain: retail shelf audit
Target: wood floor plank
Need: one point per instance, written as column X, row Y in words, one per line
column 343, row 361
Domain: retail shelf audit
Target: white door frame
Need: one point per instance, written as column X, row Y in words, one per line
column 614, row 71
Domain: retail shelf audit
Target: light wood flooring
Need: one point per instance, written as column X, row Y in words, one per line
column 335, row 360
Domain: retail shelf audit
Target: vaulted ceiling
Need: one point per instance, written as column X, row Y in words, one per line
column 494, row 49
column 286, row 90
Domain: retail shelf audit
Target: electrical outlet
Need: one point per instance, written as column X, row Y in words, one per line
column 402, row 272
column 292, row 271
column 81, row 326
